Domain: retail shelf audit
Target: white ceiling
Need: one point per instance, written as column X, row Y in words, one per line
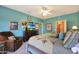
column 35, row 10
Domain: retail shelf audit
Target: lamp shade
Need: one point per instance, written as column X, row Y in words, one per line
column 74, row 27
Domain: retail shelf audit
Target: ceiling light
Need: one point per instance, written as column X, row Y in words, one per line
column 45, row 11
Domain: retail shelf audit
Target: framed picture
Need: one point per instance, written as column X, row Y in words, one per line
column 13, row 25
column 29, row 18
column 37, row 26
column 49, row 26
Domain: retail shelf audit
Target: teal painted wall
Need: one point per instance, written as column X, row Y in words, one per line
column 72, row 19
column 8, row 15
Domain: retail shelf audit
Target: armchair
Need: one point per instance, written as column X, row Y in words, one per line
column 11, row 45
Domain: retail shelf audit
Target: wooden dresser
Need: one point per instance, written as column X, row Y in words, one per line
column 28, row 34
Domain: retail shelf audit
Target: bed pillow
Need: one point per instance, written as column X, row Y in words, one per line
column 11, row 38
column 67, row 36
column 71, row 40
column 53, row 35
column 61, row 36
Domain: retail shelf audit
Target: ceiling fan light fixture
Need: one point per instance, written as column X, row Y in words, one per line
column 45, row 13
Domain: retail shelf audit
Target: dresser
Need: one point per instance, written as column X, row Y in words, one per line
column 29, row 33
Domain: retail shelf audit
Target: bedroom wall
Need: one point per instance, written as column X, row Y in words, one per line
column 8, row 15
column 72, row 19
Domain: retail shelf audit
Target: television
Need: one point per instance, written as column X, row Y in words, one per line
column 31, row 26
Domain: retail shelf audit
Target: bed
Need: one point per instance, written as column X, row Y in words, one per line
column 47, row 44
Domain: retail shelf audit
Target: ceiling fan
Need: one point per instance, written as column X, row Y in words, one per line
column 45, row 11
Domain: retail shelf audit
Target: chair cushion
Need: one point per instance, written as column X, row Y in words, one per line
column 11, row 38
column 7, row 33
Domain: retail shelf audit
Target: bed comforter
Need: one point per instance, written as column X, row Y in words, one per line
column 48, row 44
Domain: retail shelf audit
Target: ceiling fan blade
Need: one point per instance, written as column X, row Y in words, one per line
column 52, row 11
column 44, row 8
